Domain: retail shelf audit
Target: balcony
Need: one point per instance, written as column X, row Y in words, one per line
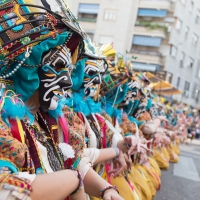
column 151, row 29
column 152, row 57
column 88, row 12
column 156, row 4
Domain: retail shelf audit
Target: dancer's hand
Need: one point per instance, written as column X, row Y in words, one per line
column 128, row 161
column 119, row 165
column 112, row 194
column 132, row 142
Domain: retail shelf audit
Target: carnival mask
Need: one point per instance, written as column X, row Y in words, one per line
column 93, row 71
column 132, row 93
column 54, row 77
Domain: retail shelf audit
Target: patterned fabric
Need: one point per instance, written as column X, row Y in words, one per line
column 95, row 130
column 4, row 129
column 109, row 132
column 52, row 154
column 20, row 188
column 76, row 133
column 12, row 150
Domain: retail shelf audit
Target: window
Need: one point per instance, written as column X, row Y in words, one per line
column 191, row 6
column 169, row 77
column 182, row 58
column 187, row 86
column 197, row 19
column 88, row 12
column 169, row 29
column 190, row 62
column 110, row 15
column 196, row 92
column 183, row 2
column 194, row 39
column 186, row 89
column 178, row 24
column 104, row 39
column 186, row 31
column 178, row 82
column 198, row 69
column 173, row 51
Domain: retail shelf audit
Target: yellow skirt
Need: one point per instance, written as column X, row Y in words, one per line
column 175, row 148
column 155, row 165
column 160, row 159
column 136, row 190
column 148, row 179
column 165, row 152
column 124, row 189
column 141, row 183
column 178, row 142
column 152, row 175
column 173, row 156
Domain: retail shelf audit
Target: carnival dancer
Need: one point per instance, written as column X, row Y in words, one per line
column 29, row 72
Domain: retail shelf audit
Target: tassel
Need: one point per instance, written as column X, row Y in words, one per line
column 20, row 129
column 64, row 127
column 17, row 130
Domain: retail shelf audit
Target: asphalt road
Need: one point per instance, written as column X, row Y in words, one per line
column 182, row 180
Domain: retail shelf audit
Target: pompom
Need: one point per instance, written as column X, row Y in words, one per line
column 12, row 109
column 80, row 104
column 67, row 151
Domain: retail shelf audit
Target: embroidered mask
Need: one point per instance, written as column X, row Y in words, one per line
column 92, row 76
column 54, row 77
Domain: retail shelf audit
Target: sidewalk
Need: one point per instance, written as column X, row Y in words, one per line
column 194, row 142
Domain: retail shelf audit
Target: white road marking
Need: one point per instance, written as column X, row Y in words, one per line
column 186, row 168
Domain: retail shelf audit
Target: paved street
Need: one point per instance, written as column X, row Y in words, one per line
column 182, row 180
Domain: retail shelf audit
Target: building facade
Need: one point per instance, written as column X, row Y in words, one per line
column 164, row 35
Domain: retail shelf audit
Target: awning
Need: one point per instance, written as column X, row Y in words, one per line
column 161, row 85
column 145, row 67
column 147, row 41
column 88, row 8
column 165, row 88
column 153, row 78
column 170, row 92
column 151, row 12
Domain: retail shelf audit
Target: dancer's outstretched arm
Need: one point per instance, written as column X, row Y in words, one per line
column 55, row 186
column 93, row 183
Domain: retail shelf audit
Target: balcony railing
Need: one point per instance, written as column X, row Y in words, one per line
column 157, row 4
column 153, row 25
column 153, row 53
column 87, row 19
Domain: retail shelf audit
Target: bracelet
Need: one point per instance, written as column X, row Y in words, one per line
column 127, row 145
column 107, row 188
column 80, row 185
column 116, row 151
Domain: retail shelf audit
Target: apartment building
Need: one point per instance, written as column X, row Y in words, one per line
column 164, row 35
